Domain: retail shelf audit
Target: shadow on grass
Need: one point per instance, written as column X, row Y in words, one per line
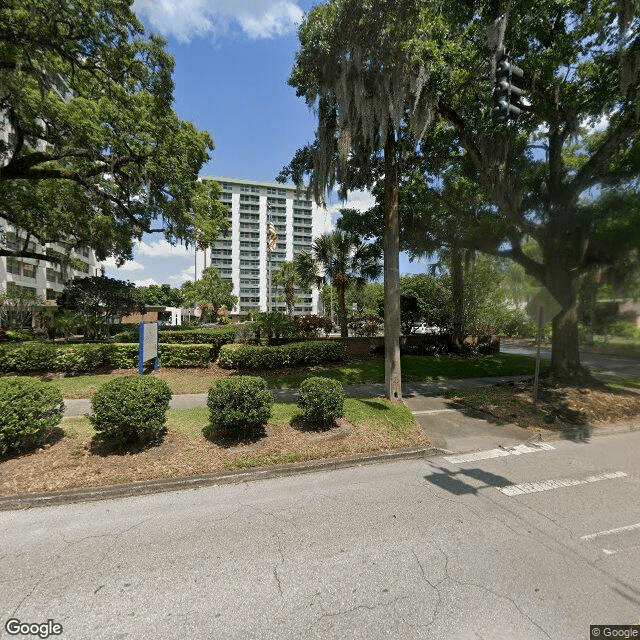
column 104, row 448
column 53, row 436
column 308, row 425
column 375, row 404
column 228, row 439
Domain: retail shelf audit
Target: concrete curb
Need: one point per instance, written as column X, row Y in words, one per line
column 110, row 492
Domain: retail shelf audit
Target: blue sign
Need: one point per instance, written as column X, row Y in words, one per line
column 148, row 337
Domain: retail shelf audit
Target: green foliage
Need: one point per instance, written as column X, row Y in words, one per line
column 81, row 357
column 213, row 336
column 341, row 260
column 238, row 406
column 125, row 356
column 98, row 153
column 433, row 297
column 29, row 411
column 162, row 295
column 322, row 400
column 131, row 409
column 312, row 325
column 211, row 292
column 26, row 357
column 274, row 324
column 624, row 329
column 44, row 356
column 99, row 298
column 245, row 356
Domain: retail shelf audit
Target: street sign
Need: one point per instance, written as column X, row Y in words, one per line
column 550, row 306
column 148, row 345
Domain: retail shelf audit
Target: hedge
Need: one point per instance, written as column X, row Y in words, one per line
column 42, row 356
column 214, row 337
column 246, row 356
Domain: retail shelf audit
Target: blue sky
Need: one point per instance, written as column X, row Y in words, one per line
column 232, row 61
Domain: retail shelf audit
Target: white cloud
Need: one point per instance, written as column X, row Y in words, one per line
column 144, row 283
column 183, row 276
column 162, row 248
column 129, row 265
column 185, row 19
column 360, row 200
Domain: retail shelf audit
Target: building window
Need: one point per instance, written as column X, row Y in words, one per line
column 14, row 266
column 29, row 270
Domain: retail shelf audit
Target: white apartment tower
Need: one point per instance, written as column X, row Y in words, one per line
column 27, row 277
column 242, row 255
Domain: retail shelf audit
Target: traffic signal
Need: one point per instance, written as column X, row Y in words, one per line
column 505, row 94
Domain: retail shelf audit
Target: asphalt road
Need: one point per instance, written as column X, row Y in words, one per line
column 606, row 366
column 443, row 548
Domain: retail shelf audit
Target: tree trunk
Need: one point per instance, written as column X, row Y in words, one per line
column 344, row 329
column 392, row 372
column 457, row 290
column 565, row 353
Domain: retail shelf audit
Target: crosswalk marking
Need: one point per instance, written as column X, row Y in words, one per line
column 609, row 532
column 546, row 485
column 499, row 453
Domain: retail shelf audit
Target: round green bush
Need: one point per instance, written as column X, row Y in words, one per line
column 321, row 400
column 29, row 411
column 130, row 409
column 240, row 405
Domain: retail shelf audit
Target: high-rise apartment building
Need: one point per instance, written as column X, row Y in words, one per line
column 242, row 255
column 44, row 280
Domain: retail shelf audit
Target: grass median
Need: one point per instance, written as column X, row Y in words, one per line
column 75, row 459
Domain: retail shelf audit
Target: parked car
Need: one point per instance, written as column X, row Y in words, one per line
column 424, row 328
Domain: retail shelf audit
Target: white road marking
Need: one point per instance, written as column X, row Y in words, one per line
column 607, row 552
column 499, row 453
column 629, row 527
column 426, row 412
column 535, row 487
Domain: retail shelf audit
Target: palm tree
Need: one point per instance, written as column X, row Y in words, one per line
column 339, row 259
column 287, row 276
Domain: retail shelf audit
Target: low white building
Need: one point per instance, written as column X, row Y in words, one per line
column 242, row 256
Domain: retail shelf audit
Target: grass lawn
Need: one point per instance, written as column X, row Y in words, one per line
column 418, row 368
column 414, row 368
column 74, row 459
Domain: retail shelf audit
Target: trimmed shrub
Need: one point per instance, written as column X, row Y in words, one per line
column 29, row 411
column 125, row 356
column 131, row 409
column 81, row 357
column 238, row 406
column 321, row 400
column 27, row 356
column 246, row 356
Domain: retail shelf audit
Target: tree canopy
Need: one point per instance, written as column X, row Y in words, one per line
column 210, row 292
column 564, row 173
column 95, row 154
column 340, row 260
